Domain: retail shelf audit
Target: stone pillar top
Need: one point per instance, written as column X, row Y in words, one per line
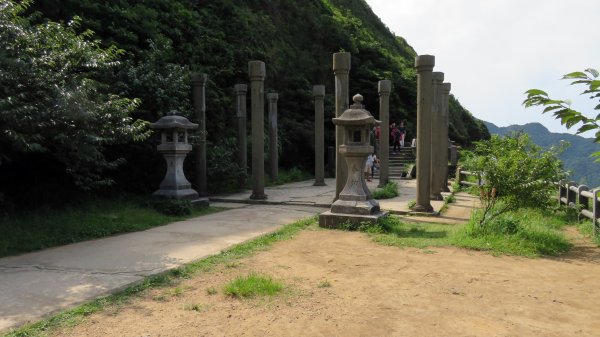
column 385, row 87
column 424, row 62
column 199, row 78
column 437, row 76
column 257, row 70
column 319, row 90
column 272, row 96
column 341, row 62
column 240, row 89
column 446, row 87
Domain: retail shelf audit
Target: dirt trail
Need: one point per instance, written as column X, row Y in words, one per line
column 375, row 291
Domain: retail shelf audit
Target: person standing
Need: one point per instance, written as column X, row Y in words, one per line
column 402, row 130
column 395, row 136
column 369, row 166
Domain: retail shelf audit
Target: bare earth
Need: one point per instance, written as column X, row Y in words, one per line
column 374, row 291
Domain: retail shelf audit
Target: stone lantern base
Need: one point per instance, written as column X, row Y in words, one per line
column 336, row 220
column 188, row 194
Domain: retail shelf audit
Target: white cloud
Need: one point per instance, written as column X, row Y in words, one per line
column 492, row 51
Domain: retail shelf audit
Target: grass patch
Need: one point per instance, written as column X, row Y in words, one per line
column 253, row 285
column 411, row 204
column 324, row 284
column 390, row 190
column 41, row 229
column 77, row 315
column 526, row 232
column 586, row 228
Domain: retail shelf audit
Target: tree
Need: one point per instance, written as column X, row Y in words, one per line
column 53, row 99
column 516, row 173
column 561, row 109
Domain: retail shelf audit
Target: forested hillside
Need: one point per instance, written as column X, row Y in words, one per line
column 576, row 157
column 164, row 41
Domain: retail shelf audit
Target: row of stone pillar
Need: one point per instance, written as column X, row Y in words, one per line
column 432, row 133
column 256, row 74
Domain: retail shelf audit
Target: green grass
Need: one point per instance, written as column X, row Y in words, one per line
column 252, row 285
column 99, row 218
column 390, row 190
column 530, row 233
column 77, row 315
column 586, row 228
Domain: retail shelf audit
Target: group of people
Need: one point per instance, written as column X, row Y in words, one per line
column 397, row 134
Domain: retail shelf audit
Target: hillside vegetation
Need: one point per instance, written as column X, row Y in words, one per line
column 164, row 41
column 575, row 158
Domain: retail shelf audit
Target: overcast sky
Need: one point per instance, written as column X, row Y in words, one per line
column 492, row 51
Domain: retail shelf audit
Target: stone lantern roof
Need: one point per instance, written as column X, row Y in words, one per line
column 173, row 121
column 356, row 115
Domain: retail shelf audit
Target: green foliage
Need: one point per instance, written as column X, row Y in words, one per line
column 292, row 175
column 576, row 158
column 224, row 173
column 173, row 207
column 561, row 108
column 253, row 285
column 412, row 203
column 54, row 99
column 98, row 218
column 390, row 190
column 515, row 174
column 526, row 232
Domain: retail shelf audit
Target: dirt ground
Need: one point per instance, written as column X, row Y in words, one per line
column 374, row 290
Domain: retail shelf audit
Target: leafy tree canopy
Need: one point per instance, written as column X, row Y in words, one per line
column 52, row 98
column 561, row 109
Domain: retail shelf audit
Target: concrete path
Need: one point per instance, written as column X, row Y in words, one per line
column 304, row 193
column 37, row 284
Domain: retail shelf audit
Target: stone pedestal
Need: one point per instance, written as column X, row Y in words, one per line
column 384, row 88
column 445, row 124
column 438, row 142
column 240, row 91
column 424, row 65
column 341, row 70
column 257, row 72
column 199, row 98
column 319, row 94
column 273, row 139
column 355, row 203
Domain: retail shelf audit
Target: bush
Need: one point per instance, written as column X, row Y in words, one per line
column 173, row 207
column 390, row 190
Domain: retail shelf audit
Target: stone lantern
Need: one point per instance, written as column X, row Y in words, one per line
column 174, row 147
column 355, row 203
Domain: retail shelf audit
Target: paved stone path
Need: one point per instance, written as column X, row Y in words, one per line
column 36, row 284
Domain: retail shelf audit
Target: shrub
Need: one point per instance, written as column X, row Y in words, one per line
column 173, row 207
column 390, row 190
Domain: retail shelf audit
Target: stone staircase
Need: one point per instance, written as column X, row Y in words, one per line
column 398, row 162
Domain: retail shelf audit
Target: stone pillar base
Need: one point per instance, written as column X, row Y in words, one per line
column 336, row 220
column 423, row 208
column 436, row 197
column 256, row 196
column 319, row 183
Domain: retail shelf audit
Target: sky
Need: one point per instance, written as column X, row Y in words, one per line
column 492, row 51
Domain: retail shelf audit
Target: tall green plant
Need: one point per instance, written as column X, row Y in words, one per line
column 516, row 173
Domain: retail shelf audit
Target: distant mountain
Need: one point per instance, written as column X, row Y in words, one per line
column 576, row 157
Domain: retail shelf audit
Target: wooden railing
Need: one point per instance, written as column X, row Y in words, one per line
column 580, row 197
column 462, row 175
